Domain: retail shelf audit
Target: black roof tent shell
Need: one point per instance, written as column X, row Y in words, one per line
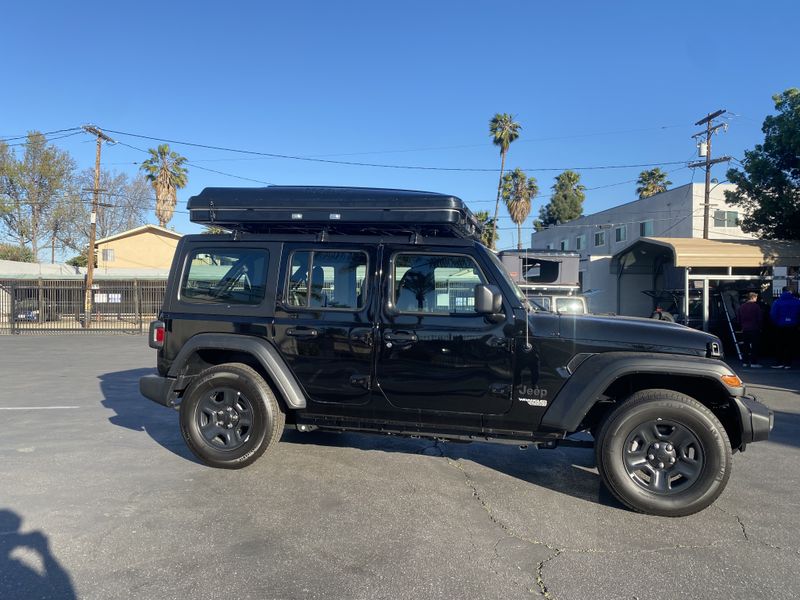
column 305, row 209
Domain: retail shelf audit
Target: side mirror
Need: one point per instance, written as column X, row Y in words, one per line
column 488, row 299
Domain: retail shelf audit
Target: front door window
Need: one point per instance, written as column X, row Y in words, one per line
column 435, row 284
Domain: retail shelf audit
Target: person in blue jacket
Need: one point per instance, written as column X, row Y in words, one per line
column 785, row 314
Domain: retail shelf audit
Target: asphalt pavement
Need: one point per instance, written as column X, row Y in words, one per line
column 99, row 498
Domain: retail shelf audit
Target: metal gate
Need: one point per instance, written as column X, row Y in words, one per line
column 45, row 306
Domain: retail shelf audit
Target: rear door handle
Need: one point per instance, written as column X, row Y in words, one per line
column 302, row 332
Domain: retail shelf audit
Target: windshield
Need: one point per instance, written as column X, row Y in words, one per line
column 501, row 270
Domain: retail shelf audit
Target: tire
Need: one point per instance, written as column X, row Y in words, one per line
column 663, row 453
column 229, row 416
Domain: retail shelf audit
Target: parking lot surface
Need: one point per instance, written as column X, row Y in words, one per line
column 101, row 499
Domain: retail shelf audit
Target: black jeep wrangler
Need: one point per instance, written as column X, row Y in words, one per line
column 372, row 310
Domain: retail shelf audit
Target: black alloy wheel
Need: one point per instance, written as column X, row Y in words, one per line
column 663, row 453
column 229, row 416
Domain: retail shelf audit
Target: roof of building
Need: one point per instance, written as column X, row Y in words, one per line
column 699, row 252
column 141, row 229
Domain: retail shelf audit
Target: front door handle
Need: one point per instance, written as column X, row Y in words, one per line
column 400, row 337
column 302, row 332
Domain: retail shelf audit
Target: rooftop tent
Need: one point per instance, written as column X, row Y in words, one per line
column 335, row 210
column 542, row 267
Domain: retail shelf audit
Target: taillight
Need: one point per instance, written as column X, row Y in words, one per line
column 157, row 332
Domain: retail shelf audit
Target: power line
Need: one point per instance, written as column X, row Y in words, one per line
column 59, row 137
column 453, row 147
column 20, row 137
column 381, row 165
column 588, row 189
column 199, row 167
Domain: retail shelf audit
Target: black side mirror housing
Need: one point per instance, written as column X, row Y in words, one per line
column 488, row 299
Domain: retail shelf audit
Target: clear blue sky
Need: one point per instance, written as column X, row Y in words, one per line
column 407, row 83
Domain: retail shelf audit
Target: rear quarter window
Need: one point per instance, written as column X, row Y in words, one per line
column 225, row 276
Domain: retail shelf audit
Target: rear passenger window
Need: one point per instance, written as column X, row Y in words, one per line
column 327, row 280
column 426, row 283
column 226, row 276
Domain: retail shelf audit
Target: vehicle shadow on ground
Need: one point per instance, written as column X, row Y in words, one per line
column 133, row 411
column 27, row 567
column 569, row 471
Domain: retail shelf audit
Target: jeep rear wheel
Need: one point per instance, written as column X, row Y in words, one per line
column 229, row 416
column 663, row 453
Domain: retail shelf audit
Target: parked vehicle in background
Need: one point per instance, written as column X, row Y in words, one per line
column 379, row 311
column 31, row 311
column 568, row 305
column 549, row 278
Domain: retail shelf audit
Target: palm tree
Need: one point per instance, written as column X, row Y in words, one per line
column 652, row 182
column 518, row 191
column 487, row 228
column 166, row 173
column 503, row 130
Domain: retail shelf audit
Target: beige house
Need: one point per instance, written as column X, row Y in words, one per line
column 145, row 247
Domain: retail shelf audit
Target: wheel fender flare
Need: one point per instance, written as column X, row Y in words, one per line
column 593, row 376
column 264, row 352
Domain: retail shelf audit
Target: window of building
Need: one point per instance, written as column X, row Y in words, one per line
column 327, row 280
column 580, row 242
column 726, row 218
column 227, row 276
column 430, row 283
column 600, row 238
column 108, row 255
column 564, row 245
column 621, row 233
column 646, row 228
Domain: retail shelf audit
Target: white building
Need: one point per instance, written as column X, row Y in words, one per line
column 676, row 213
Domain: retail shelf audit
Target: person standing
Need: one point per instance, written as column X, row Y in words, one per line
column 751, row 321
column 785, row 314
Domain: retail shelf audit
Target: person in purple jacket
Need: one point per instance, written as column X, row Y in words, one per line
column 785, row 314
column 751, row 321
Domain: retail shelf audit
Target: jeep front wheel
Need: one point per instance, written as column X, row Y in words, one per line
column 229, row 416
column 663, row 453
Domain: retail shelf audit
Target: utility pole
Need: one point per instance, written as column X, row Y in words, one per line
column 708, row 121
column 87, row 300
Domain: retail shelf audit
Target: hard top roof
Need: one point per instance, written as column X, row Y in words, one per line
column 341, row 196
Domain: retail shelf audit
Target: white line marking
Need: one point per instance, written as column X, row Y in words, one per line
column 36, row 407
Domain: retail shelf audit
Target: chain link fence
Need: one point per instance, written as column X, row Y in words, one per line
column 44, row 306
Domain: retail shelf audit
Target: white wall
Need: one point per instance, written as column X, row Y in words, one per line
column 602, row 286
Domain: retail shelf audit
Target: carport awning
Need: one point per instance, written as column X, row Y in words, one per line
column 697, row 252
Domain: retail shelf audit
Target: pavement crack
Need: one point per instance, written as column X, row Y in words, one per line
column 540, row 576
column 535, row 573
column 751, row 538
column 484, row 505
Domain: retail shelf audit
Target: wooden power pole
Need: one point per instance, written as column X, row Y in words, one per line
column 87, row 300
column 705, row 146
